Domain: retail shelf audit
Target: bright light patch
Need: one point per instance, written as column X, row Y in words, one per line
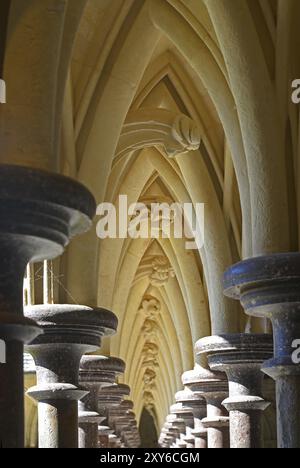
column 2, row 92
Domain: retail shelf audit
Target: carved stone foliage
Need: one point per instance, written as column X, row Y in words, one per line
column 161, row 271
column 150, row 311
column 157, row 268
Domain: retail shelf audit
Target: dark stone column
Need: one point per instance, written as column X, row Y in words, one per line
column 213, row 387
column 69, row 332
column 270, row 287
column 109, row 404
column 95, row 372
column 117, row 419
column 241, row 357
column 122, row 420
column 130, row 434
column 198, row 405
column 39, row 213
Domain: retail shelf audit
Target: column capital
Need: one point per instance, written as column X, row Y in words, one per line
column 99, row 370
column 204, row 382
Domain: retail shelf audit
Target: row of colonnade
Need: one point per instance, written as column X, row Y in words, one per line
column 80, row 401
column 232, row 384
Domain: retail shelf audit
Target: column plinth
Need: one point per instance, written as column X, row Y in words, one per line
column 39, row 213
column 241, row 357
column 69, row 332
column 213, row 387
column 269, row 287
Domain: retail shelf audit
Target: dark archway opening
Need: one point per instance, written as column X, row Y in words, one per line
column 148, row 433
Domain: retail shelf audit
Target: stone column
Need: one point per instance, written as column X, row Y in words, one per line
column 241, row 357
column 170, row 432
column 198, row 405
column 109, row 403
column 95, row 372
column 184, row 398
column 39, row 213
column 213, row 387
column 185, row 413
column 175, row 426
column 270, row 287
column 117, row 419
column 122, row 419
column 129, row 434
column 69, row 332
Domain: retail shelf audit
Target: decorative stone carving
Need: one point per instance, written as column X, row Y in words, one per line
column 186, row 134
column 149, row 378
column 69, row 332
column 150, row 308
column 39, row 213
column 150, row 329
column 149, row 401
column 175, row 133
column 161, row 272
column 150, row 353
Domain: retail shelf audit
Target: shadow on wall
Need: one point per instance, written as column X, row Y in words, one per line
column 148, row 433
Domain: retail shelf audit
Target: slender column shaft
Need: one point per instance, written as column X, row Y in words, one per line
column 14, row 331
column 216, row 422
